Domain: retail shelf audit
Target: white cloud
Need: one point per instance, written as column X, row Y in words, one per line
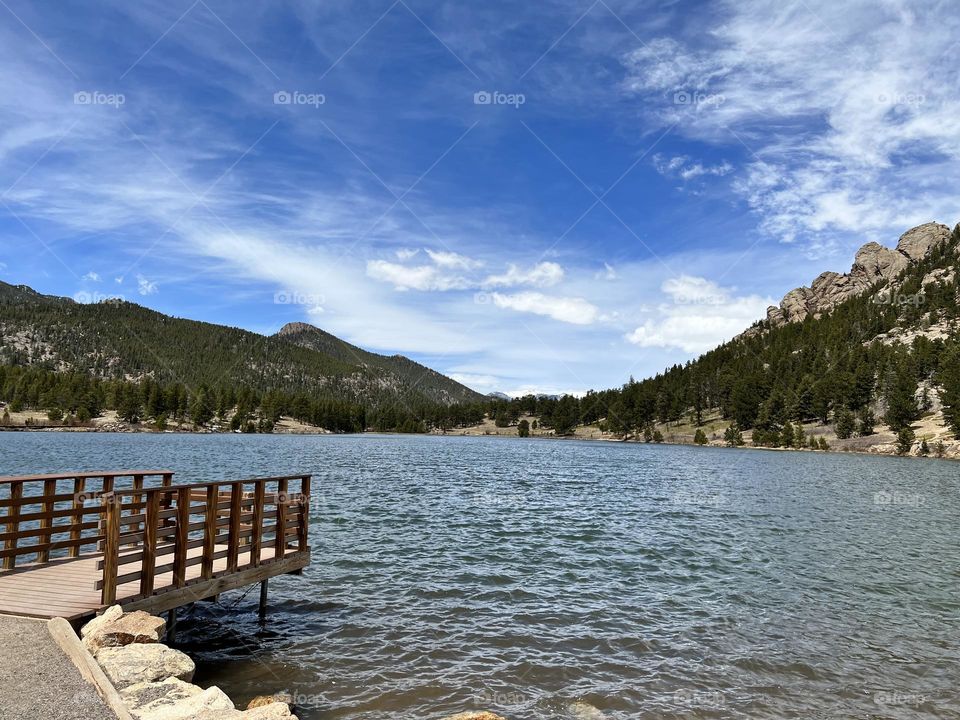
column 681, row 166
column 407, row 253
column 91, row 276
column 699, row 316
column 145, row 286
column 576, row 311
column 845, row 111
column 480, row 383
column 418, row 277
column 544, row 274
column 608, row 273
column 446, row 259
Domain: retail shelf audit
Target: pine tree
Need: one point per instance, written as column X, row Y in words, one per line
column 843, row 420
column 700, row 437
column 732, row 436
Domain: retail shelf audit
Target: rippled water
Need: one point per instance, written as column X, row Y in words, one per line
column 555, row 579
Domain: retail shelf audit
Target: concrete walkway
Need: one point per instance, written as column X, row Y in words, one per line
column 38, row 681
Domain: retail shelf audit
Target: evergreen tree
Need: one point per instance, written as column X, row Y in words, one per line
column 700, row 437
column 732, row 436
column 843, row 420
column 523, row 428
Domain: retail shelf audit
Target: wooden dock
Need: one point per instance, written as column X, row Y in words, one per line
column 76, row 543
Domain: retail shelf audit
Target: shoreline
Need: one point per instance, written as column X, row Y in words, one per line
column 871, row 450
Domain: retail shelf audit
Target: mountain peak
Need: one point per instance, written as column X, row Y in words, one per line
column 293, row 328
column 873, row 263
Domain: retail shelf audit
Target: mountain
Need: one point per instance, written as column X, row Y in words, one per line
column 873, row 264
column 124, row 341
column 867, row 360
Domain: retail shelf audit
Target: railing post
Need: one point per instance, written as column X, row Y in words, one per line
column 233, row 541
column 13, row 524
column 209, row 531
column 280, row 541
column 105, row 489
column 150, row 524
column 111, row 547
column 76, row 520
column 46, row 523
column 303, row 529
column 181, row 538
column 256, row 540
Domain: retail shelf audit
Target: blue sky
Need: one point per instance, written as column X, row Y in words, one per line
column 544, row 196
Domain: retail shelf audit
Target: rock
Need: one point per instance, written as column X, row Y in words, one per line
column 271, row 711
column 584, row 711
column 135, row 627
column 919, row 241
column 483, row 715
column 873, row 264
column 262, row 700
column 137, row 663
column 212, row 703
column 143, row 693
column 111, row 614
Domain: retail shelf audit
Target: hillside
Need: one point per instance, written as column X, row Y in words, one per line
column 115, row 340
column 867, row 360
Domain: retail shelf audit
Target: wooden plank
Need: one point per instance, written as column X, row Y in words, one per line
column 304, row 514
column 79, row 484
column 234, row 537
column 256, row 536
column 111, row 550
column 12, row 525
column 182, row 537
column 279, row 542
column 209, row 531
column 149, row 553
column 84, row 475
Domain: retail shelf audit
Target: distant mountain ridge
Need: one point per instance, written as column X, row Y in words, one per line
column 121, row 340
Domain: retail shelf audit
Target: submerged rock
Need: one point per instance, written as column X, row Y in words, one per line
column 483, row 715
column 584, row 711
column 263, row 700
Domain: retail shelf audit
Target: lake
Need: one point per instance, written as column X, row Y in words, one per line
column 553, row 579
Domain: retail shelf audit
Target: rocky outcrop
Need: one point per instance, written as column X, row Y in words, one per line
column 154, row 680
column 874, row 263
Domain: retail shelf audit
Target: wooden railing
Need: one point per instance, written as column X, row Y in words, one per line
column 155, row 530
column 154, row 533
column 46, row 517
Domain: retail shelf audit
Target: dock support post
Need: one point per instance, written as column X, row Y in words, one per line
column 263, row 598
column 172, row 626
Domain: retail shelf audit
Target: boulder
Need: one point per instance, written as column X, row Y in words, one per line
column 144, row 693
column 917, row 242
column 271, row 711
column 212, row 702
column 111, row 614
column 135, row 627
column 262, row 700
column 140, row 663
column 483, row 715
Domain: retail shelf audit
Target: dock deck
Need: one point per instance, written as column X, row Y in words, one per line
column 75, row 544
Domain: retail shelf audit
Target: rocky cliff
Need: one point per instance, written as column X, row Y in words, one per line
column 874, row 263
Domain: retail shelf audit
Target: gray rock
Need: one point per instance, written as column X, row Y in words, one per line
column 135, row 627
column 137, row 663
column 111, row 614
column 212, row 702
